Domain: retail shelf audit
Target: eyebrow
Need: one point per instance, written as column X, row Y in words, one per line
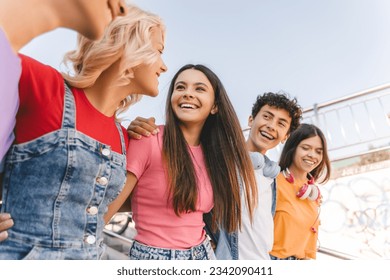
column 201, row 84
column 314, row 147
column 281, row 119
column 196, row 84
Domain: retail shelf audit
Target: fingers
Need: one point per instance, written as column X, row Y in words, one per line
column 142, row 127
column 3, row 235
column 5, row 223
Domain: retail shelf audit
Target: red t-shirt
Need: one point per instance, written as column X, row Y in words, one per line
column 41, row 92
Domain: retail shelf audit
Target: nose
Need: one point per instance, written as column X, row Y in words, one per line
column 270, row 125
column 163, row 67
column 188, row 94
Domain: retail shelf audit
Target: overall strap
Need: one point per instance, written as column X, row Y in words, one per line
column 123, row 143
column 69, row 112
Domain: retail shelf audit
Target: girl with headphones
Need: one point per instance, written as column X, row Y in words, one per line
column 304, row 161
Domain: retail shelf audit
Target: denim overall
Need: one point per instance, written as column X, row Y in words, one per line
column 57, row 189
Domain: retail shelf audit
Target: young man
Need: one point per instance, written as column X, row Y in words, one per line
column 35, row 17
column 274, row 116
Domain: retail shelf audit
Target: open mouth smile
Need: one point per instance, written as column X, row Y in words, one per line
column 188, row 106
column 309, row 162
column 267, row 135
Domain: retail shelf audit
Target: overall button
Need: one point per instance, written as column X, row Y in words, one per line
column 102, row 181
column 93, row 210
column 106, row 152
column 90, row 239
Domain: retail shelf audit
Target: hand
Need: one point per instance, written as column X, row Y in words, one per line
column 142, row 127
column 5, row 223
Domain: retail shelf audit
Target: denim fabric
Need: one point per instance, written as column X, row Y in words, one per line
column 203, row 251
column 284, row 259
column 227, row 243
column 273, row 209
column 57, row 189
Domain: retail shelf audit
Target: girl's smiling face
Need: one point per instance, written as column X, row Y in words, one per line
column 308, row 154
column 193, row 98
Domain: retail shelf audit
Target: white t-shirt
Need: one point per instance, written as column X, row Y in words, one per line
column 255, row 240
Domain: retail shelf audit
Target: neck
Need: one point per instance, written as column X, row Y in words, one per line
column 250, row 147
column 298, row 174
column 105, row 94
column 191, row 134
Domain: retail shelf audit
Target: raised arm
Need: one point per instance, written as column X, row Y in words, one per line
column 23, row 20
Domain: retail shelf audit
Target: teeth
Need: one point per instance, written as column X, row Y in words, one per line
column 188, row 106
column 265, row 134
column 308, row 161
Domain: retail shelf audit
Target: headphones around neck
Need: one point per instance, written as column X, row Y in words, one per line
column 309, row 190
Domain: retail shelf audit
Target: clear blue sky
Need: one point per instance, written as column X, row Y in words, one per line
column 313, row 49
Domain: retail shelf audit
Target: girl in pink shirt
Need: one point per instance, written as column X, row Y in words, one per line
column 193, row 166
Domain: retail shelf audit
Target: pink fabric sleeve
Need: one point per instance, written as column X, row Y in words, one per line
column 138, row 155
column 10, row 69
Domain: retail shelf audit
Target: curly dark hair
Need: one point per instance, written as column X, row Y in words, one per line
column 280, row 100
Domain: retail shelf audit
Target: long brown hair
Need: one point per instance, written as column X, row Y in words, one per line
column 227, row 161
column 304, row 131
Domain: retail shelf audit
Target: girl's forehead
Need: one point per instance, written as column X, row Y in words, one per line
column 314, row 141
column 193, row 76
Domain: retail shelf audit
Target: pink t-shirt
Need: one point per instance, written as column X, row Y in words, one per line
column 155, row 220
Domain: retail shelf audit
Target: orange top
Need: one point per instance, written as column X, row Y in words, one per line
column 293, row 220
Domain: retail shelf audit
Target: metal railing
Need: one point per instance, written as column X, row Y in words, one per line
column 336, row 254
column 355, row 123
column 357, row 198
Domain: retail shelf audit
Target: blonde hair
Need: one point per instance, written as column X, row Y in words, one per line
column 128, row 37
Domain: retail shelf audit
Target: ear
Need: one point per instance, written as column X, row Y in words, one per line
column 214, row 110
column 250, row 121
column 285, row 138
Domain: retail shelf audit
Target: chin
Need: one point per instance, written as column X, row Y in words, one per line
column 152, row 94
